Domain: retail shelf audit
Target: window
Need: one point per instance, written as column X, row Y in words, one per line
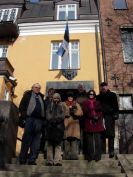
column 34, row 1
column 58, row 63
column 66, row 11
column 3, row 51
column 125, row 102
column 120, row 4
column 127, row 43
column 8, row 14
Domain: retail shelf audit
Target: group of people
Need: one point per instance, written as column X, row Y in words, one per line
column 83, row 121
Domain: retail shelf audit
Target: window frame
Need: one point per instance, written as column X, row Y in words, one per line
column 115, row 6
column 70, row 55
column 124, row 52
column 10, row 11
column 66, row 11
column 123, row 107
column 34, row 1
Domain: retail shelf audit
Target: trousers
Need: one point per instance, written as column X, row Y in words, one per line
column 31, row 140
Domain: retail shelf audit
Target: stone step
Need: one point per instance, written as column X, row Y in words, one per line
column 80, row 156
column 12, row 174
column 92, row 168
column 41, row 158
column 126, row 163
column 82, row 163
column 42, row 161
column 77, row 175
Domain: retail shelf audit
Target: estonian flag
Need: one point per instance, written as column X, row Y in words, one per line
column 64, row 47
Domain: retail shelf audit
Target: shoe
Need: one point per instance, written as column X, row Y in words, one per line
column 2, row 167
column 89, row 160
column 111, row 155
column 32, row 163
column 22, row 162
column 97, row 159
column 49, row 164
column 58, row 164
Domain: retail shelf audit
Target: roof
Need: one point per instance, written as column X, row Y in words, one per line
column 4, row 2
column 45, row 10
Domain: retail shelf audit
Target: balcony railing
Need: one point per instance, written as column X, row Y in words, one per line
column 8, row 30
column 6, row 68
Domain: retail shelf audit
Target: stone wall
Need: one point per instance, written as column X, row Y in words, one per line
column 125, row 125
column 8, row 128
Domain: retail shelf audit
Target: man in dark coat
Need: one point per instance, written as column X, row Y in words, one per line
column 80, row 98
column 47, row 102
column 33, row 109
column 109, row 103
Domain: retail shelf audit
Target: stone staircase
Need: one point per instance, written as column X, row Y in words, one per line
column 70, row 168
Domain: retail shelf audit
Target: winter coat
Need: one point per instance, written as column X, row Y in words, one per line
column 72, row 127
column 110, row 111
column 81, row 97
column 55, row 115
column 25, row 103
column 93, row 117
column 23, row 107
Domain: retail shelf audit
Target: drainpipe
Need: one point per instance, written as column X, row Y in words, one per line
column 102, row 43
column 98, row 56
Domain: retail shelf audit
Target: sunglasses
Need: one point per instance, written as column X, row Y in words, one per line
column 37, row 87
column 91, row 94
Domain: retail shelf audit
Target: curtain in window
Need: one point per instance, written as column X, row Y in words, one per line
column 127, row 42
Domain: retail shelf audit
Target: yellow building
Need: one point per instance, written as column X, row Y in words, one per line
column 41, row 29
column 31, row 56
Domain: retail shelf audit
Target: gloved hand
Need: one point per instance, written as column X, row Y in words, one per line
column 115, row 116
column 73, row 110
column 52, row 121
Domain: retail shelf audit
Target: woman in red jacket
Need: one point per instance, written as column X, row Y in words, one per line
column 93, row 126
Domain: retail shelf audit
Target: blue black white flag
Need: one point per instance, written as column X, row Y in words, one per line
column 64, row 47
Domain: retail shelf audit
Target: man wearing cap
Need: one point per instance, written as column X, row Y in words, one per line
column 109, row 103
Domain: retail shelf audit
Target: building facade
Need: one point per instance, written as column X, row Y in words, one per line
column 41, row 29
column 116, row 24
column 32, row 46
column 116, row 30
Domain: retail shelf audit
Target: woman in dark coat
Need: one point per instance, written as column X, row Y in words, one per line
column 93, row 126
column 55, row 115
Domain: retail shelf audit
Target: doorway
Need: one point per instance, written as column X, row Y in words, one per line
column 63, row 93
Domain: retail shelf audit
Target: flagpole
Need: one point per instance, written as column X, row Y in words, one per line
column 69, row 67
column 68, row 49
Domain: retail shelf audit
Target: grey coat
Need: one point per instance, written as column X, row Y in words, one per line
column 55, row 115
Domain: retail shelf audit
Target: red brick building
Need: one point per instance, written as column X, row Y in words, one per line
column 116, row 20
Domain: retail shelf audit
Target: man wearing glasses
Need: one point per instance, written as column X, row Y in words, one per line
column 33, row 109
